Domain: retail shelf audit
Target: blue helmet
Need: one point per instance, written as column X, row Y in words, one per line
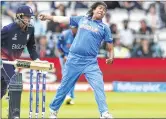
column 24, row 11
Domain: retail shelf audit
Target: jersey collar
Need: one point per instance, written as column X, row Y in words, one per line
column 98, row 21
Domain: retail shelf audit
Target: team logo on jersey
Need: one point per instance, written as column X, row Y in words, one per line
column 88, row 27
column 28, row 37
column 15, row 37
column 18, row 46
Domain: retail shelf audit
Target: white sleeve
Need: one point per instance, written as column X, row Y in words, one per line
column 61, row 19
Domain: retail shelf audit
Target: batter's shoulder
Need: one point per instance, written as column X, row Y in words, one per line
column 9, row 27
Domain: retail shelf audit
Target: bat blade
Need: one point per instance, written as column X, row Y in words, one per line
column 35, row 65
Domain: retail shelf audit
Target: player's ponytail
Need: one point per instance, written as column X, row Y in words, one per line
column 94, row 5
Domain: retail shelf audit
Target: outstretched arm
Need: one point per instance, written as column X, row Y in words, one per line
column 59, row 19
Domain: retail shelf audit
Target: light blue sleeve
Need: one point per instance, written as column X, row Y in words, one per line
column 108, row 35
column 59, row 42
column 74, row 20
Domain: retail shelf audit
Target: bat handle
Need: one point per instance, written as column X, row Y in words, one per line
column 8, row 62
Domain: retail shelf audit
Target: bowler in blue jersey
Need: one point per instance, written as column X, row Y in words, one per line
column 82, row 57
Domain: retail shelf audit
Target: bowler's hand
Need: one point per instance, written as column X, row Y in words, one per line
column 109, row 61
column 43, row 17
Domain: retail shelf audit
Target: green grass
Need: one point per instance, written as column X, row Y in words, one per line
column 127, row 105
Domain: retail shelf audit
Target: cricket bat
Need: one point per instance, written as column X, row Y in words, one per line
column 35, row 65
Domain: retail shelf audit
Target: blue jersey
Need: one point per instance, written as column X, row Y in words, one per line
column 14, row 40
column 65, row 40
column 89, row 35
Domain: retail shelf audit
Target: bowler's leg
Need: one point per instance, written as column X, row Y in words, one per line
column 71, row 92
column 95, row 79
column 71, row 73
column 69, row 100
column 70, row 95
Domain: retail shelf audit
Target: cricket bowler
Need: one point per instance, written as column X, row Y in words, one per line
column 82, row 58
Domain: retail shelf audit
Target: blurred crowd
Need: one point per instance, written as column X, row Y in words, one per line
column 138, row 27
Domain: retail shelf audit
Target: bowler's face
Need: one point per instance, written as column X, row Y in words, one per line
column 99, row 12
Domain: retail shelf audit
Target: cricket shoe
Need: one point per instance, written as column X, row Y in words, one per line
column 53, row 114
column 106, row 115
column 69, row 100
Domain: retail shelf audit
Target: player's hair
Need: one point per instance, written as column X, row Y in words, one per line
column 94, row 5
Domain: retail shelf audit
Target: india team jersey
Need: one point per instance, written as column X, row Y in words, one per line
column 14, row 40
column 89, row 35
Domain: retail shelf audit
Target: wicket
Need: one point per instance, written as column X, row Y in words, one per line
column 13, row 88
column 38, row 75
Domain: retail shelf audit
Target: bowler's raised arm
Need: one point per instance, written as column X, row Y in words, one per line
column 59, row 19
